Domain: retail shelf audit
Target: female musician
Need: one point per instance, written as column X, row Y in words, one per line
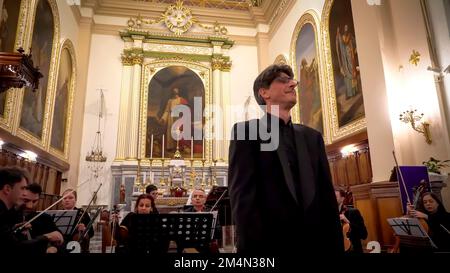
column 438, row 219
column 145, row 204
column 69, row 202
column 351, row 217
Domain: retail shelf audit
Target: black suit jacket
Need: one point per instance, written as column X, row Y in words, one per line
column 266, row 209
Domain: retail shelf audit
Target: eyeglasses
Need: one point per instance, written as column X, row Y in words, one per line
column 286, row 80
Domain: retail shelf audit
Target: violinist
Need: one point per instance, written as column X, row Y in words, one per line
column 198, row 200
column 13, row 182
column 69, row 202
column 145, row 204
column 43, row 225
column 353, row 218
column 431, row 209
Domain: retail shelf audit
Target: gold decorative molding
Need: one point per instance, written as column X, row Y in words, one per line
column 132, row 58
column 281, row 59
column 21, row 132
column 220, row 63
column 178, row 19
column 356, row 126
column 64, row 155
column 312, row 18
column 149, row 71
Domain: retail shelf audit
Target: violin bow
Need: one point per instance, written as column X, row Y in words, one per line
column 401, row 178
column 87, row 208
column 51, row 206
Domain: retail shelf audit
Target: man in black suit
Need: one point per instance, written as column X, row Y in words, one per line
column 279, row 178
column 353, row 217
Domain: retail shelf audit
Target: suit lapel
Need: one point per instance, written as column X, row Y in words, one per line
column 283, row 160
column 307, row 184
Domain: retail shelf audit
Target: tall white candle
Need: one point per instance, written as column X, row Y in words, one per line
column 151, row 147
column 162, row 148
column 192, row 147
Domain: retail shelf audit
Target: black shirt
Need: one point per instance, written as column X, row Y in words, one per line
column 288, row 147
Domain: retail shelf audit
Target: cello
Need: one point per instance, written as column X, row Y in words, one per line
column 411, row 206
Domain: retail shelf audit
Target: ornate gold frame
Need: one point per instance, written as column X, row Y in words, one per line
column 355, row 126
column 311, row 17
column 150, row 68
column 64, row 155
column 22, row 133
column 281, row 59
column 10, row 111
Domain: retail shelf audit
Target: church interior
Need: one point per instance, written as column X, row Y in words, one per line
column 88, row 89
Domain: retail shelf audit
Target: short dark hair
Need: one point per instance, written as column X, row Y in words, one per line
column 12, row 175
column 267, row 76
column 150, row 188
column 35, row 188
column 341, row 191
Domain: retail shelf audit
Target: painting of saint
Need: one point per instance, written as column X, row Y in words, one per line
column 170, row 88
column 344, row 53
column 9, row 16
column 308, row 74
column 61, row 101
column 33, row 106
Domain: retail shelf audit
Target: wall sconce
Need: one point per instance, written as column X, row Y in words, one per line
column 412, row 117
column 348, row 150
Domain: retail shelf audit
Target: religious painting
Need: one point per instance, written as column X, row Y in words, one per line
column 61, row 105
column 33, row 106
column 9, row 16
column 307, row 70
column 345, row 63
column 172, row 89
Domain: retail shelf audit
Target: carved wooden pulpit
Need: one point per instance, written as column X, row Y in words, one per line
column 17, row 71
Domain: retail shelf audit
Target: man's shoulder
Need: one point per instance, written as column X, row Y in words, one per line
column 308, row 131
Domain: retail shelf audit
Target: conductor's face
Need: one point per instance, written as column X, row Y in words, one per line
column 281, row 92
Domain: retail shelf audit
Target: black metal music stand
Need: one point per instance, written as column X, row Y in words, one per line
column 63, row 219
column 152, row 233
column 413, row 238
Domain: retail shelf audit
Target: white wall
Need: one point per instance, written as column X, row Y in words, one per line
column 69, row 26
column 281, row 40
column 242, row 75
column 105, row 69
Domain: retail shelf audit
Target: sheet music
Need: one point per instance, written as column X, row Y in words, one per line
column 410, row 227
column 63, row 219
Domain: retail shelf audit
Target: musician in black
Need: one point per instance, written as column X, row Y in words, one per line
column 353, row 217
column 69, row 201
column 43, row 225
column 13, row 182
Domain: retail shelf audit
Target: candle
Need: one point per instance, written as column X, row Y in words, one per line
column 162, row 147
column 203, row 146
column 151, row 147
column 192, row 147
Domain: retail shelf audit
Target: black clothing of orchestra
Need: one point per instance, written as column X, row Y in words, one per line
column 283, row 195
column 14, row 243
column 438, row 234
column 358, row 230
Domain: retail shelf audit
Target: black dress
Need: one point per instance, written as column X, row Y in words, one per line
column 439, row 225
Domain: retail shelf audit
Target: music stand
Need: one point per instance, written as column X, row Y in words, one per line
column 63, row 219
column 152, row 233
column 412, row 235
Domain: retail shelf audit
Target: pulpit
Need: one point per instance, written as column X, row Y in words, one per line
column 17, row 71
